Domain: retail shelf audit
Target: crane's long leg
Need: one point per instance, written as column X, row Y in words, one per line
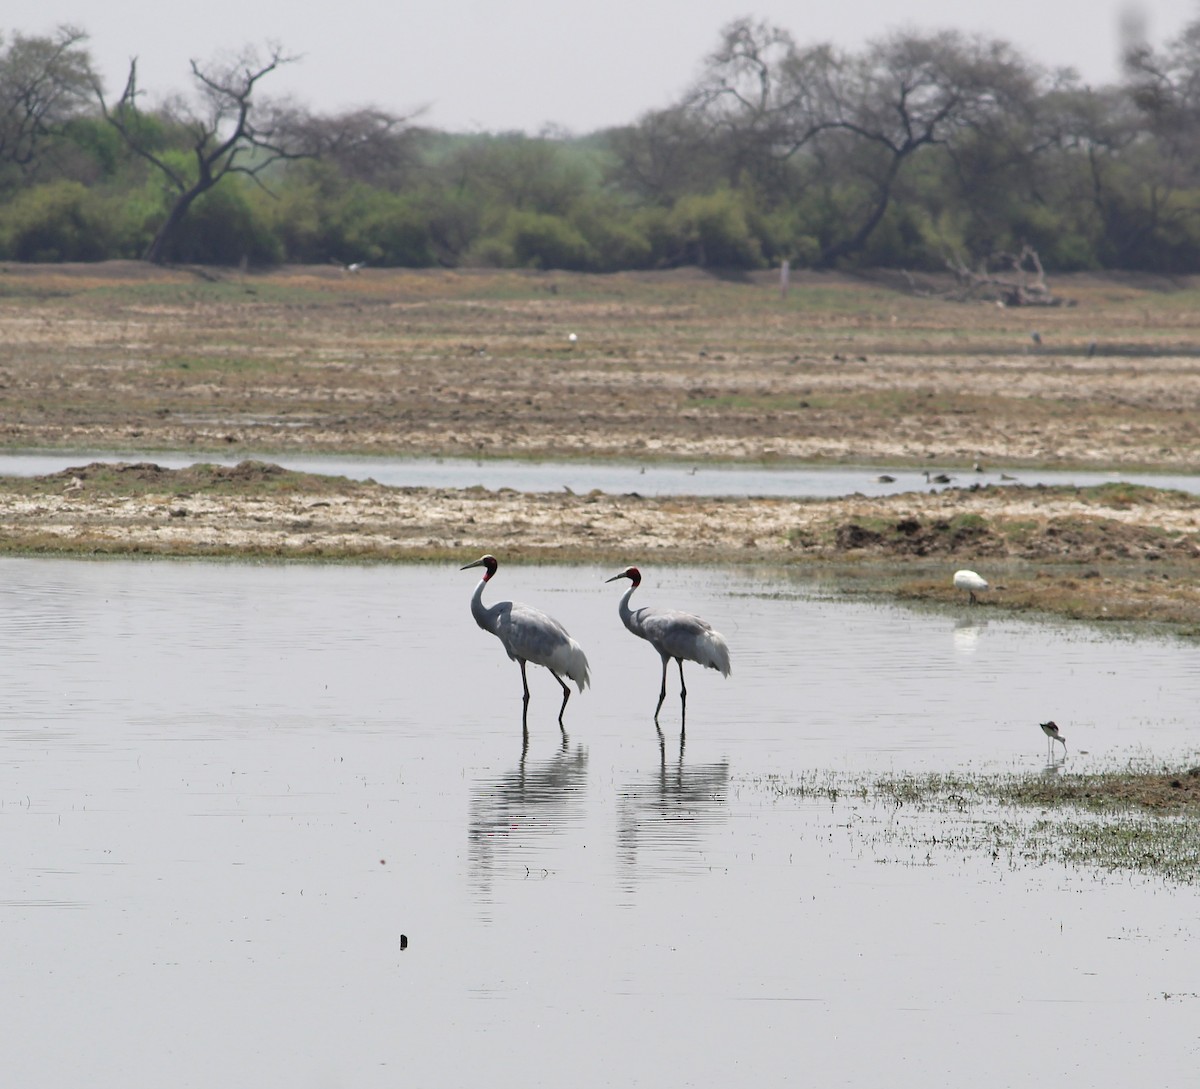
column 682, row 700
column 662, row 692
column 566, row 696
column 525, row 700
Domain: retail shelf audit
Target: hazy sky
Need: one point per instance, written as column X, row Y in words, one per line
column 495, row 65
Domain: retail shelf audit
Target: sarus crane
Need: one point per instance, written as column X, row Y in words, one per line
column 529, row 635
column 677, row 635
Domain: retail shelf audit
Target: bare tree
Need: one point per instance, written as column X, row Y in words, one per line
column 912, row 92
column 762, row 100
column 368, row 145
column 1164, row 87
column 229, row 132
column 662, row 157
column 44, row 83
column 849, row 123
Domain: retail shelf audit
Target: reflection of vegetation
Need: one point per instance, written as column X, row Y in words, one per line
column 1129, row 820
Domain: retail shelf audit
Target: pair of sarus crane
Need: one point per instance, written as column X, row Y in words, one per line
column 529, row 635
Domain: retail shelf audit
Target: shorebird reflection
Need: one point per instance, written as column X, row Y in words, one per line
column 664, row 818
column 966, row 634
column 513, row 818
column 1054, row 766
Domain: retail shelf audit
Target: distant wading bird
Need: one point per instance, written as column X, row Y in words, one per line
column 529, row 635
column 971, row 582
column 674, row 635
column 1051, row 731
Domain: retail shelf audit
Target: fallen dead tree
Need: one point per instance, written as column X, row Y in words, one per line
column 1010, row 279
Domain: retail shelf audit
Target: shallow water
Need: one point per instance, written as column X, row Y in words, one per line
column 227, row 790
column 650, row 479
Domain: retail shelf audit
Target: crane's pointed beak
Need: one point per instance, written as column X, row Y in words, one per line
column 468, row 566
column 622, row 575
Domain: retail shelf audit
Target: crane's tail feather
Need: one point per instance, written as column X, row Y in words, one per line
column 714, row 652
column 573, row 662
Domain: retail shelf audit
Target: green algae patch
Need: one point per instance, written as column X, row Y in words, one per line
column 1132, row 821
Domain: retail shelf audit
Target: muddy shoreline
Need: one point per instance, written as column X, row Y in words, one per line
column 1109, row 553
column 676, row 365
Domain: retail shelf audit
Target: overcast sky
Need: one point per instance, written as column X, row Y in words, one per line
column 498, row 65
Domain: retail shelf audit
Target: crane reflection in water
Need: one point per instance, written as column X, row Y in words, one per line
column 514, row 818
column 665, row 818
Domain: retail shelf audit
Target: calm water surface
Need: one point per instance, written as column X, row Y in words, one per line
column 227, row 790
column 650, row 479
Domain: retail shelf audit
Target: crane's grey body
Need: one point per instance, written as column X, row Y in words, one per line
column 673, row 634
column 529, row 635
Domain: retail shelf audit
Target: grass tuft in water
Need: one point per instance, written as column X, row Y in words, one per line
column 1135, row 820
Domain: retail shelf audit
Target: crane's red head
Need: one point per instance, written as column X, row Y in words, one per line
column 488, row 562
column 630, row 573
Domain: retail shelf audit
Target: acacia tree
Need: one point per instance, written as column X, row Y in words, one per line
column 1164, row 87
column 228, row 132
column 367, row 145
column 761, row 99
column 664, row 156
column 850, row 123
column 45, row 82
column 911, row 92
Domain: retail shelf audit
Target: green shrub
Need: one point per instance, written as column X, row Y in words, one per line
column 61, row 221
column 546, row 241
column 223, row 228
column 714, row 231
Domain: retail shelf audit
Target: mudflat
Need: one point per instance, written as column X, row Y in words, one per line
column 677, row 365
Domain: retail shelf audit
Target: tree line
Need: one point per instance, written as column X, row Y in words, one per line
column 916, row 151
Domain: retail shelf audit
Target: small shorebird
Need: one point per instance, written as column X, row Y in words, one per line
column 1050, row 729
column 971, row 582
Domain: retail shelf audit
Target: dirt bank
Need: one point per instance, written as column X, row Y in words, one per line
column 680, row 365
column 1115, row 552
column 665, row 365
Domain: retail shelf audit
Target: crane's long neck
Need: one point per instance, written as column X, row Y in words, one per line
column 481, row 613
column 626, row 613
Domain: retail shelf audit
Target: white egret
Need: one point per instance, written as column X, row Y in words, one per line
column 971, row 582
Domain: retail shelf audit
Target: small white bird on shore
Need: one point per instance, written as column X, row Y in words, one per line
column 971, row 582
